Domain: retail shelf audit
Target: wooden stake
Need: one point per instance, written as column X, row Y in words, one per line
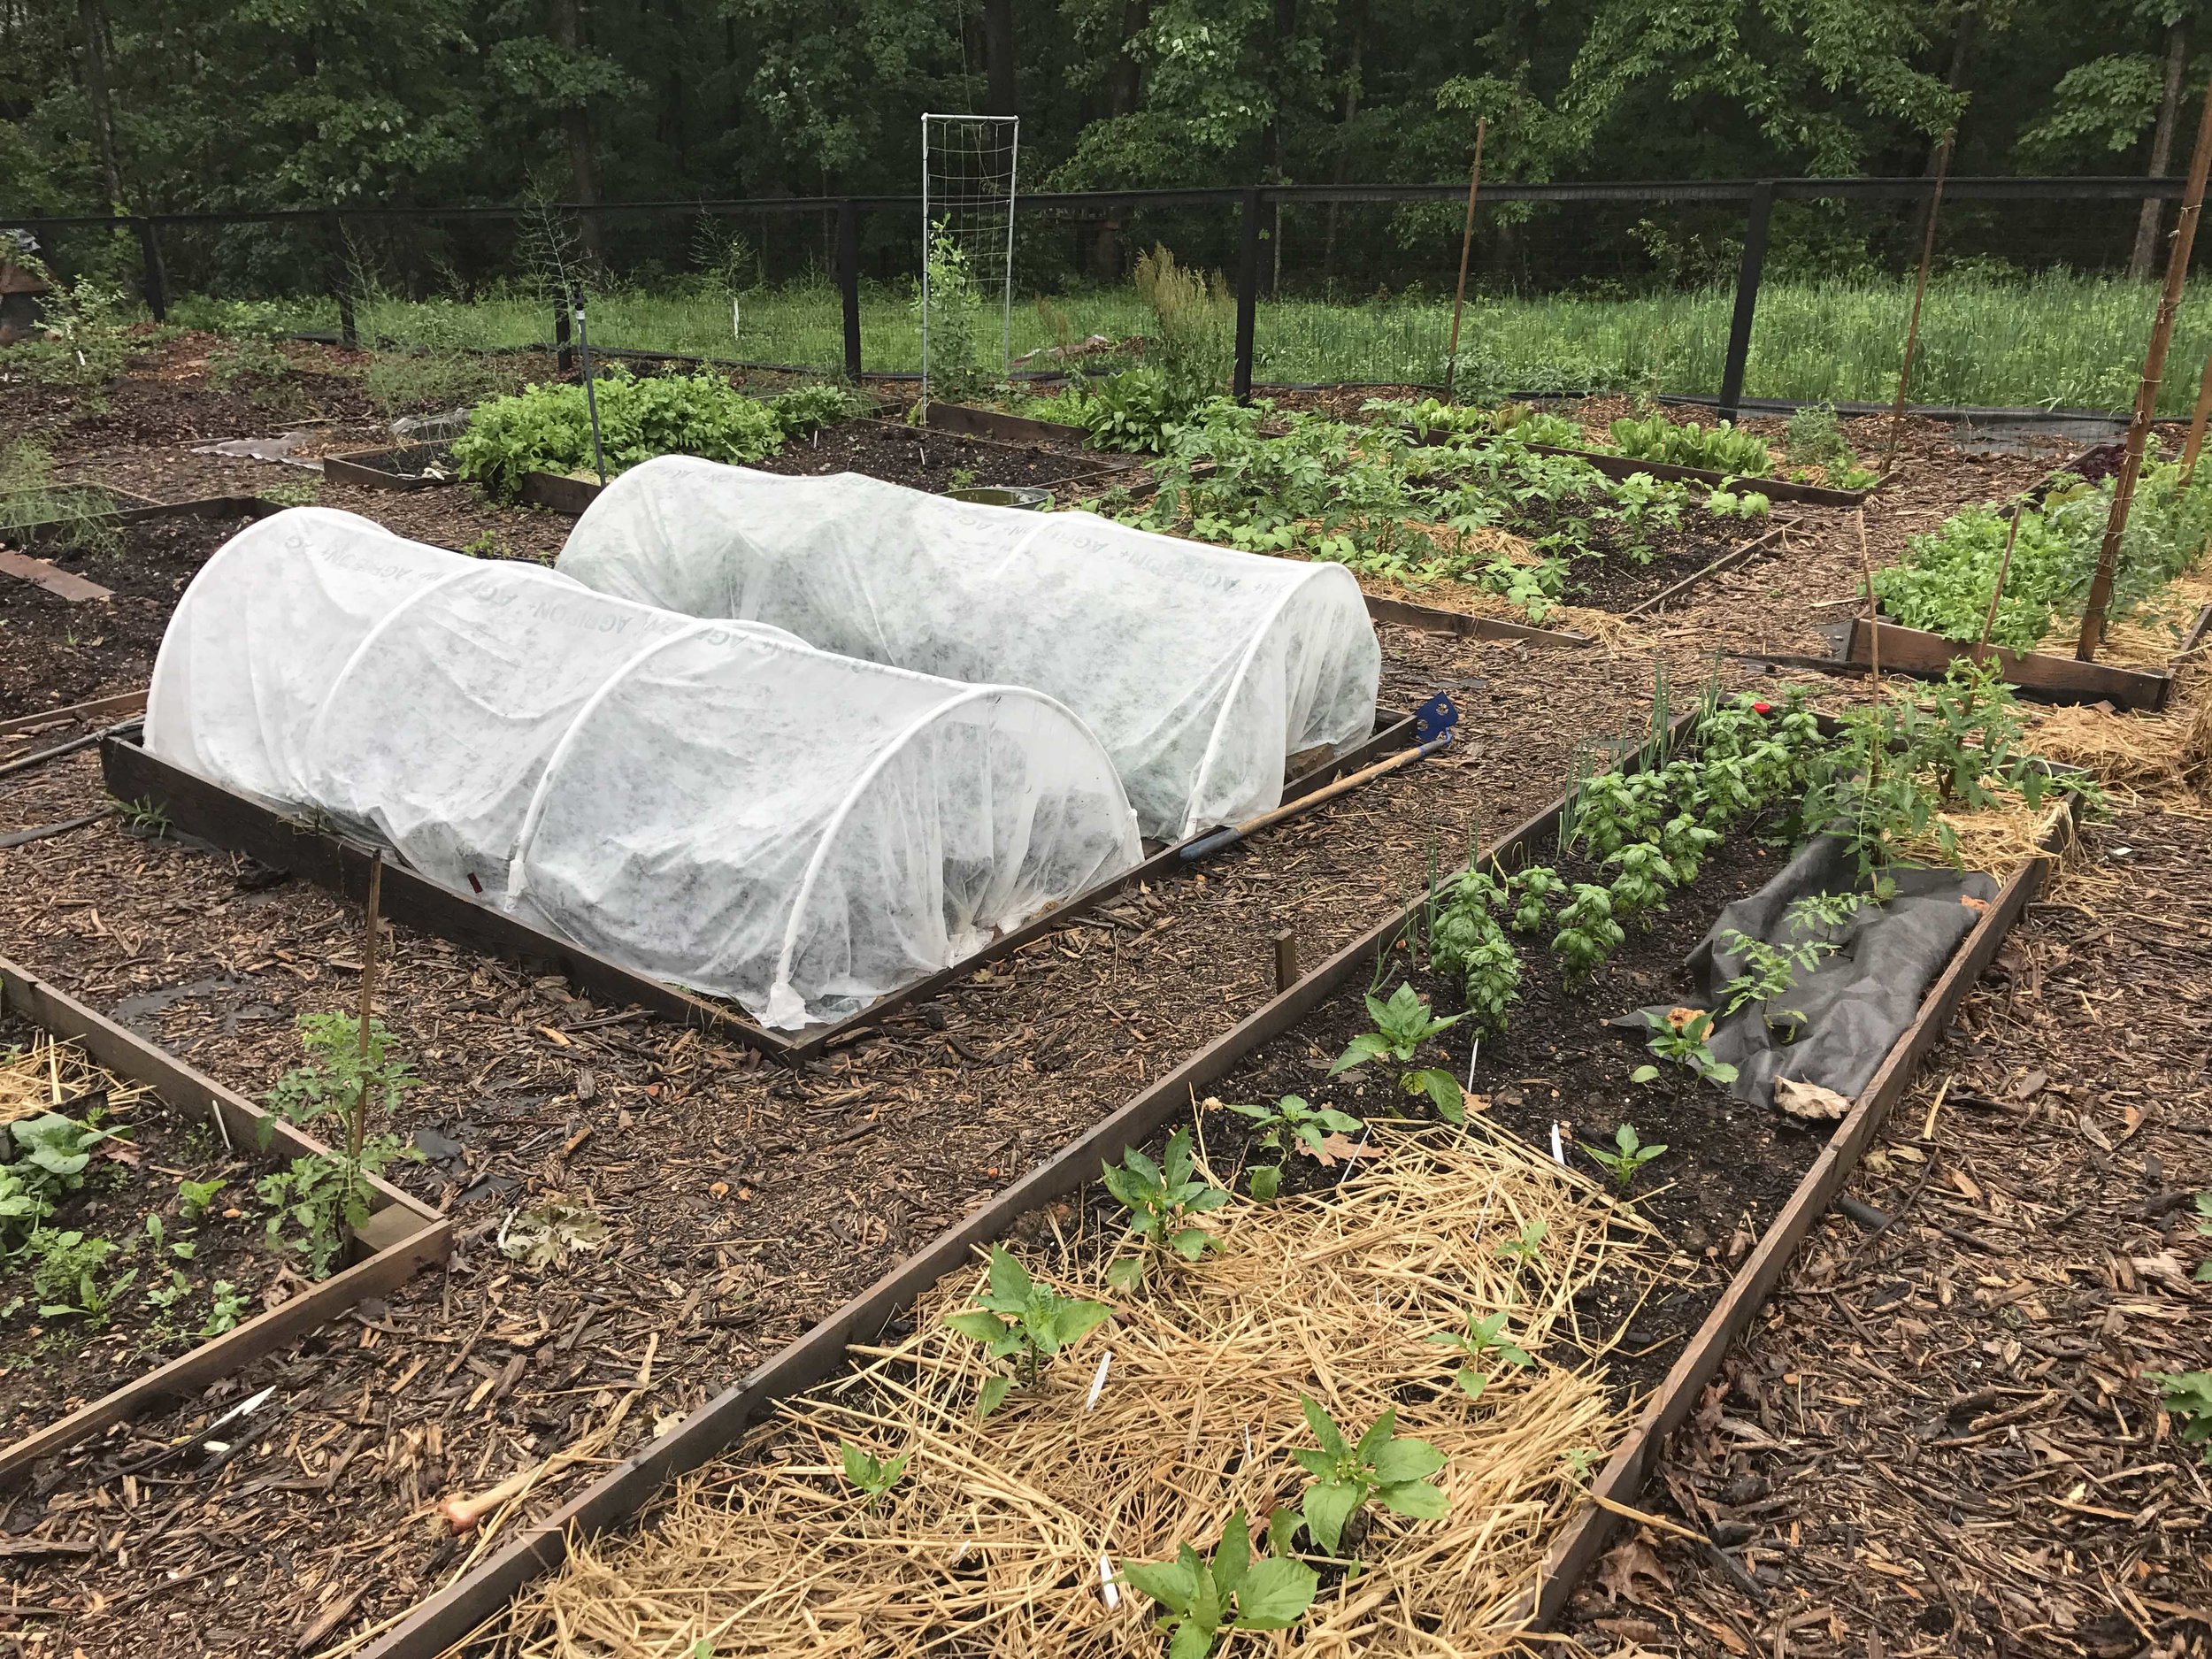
column 1873, row 627
column 1919, row 292
column 2146, row 392
column 356, row 1131
column 1286, row 960
column 2196, row 423
column 2004, row 564
column 1466, row 240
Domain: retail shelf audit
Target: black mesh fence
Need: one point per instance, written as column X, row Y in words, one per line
column 2031, row 298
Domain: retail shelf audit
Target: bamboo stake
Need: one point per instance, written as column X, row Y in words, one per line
column 2004, row 564
column 1466, row 240
column 2196, row 423
column 1919, row 292
column 1873, row 625
column 356, row 1131
column 2146, row 392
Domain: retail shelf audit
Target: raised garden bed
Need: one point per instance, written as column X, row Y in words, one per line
column 920, row 458
column 185, row 1125
column 2044, row 675
column 2050, row 676
column 409, row 466
column 1291, row 1038
column 224, row 819
column 1775, row 488
column 84, row 620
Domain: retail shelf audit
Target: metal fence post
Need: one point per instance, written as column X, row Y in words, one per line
column 1755, row 259
column 565, row 357
column 1247, row 291
column 152, row 275
column 848, row 282
column 340, row 279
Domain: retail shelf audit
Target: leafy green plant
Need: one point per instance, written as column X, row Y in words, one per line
column 1162, row 1199
column 1628, row 1156
column 871, row 1474
column 1770, row 972
column 160, row 1243
column 1466, row 942
column 548, row 428
column 951, row 309
column 1203, row 1599
column 56, row 1149
column 1532, row 891
column 325, row 1196
column 1482, row 1338
column 2187, row 1399
column 171, row 1290
column 249, row 358
column 1291, row 1117
column 1018, row 1318
column 1587, row 933
column 1392, row 1470
column 1680, row 1037
column 1642, row 886
column 195, row 1199
column 225, row 1304
column 1814, row 437
column 1134, row 411
column 66, row 1275
column 1526, row 1245
column 1402, row 1024
column 1720, row 449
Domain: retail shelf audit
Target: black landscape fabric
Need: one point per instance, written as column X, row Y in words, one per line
column 1854, row 1004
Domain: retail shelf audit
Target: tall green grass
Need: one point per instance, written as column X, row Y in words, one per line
column 2057, row 339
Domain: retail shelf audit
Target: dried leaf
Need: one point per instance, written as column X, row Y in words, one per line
column 1626, row 1564
column 1338, row 1146
column 1809, row 1101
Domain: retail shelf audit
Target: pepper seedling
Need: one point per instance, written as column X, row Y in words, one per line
column 1234, row 1591
column 1482, row 1337
column 1402, row 1026
column 1631, row 1157
column 1162, row 1198
column 1016, row 1317
column 1390, row 1468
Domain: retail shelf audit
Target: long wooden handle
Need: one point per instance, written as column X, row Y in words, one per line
column 1228, row 834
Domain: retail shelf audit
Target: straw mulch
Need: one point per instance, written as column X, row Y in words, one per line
column 2167, row 756
column 992, row 1542
column 2150, row 637
column 46, row 1074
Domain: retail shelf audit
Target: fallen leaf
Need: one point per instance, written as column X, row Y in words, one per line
column 1965, row 1184
column 1680, row 1018
column 2164, row 1268
column 2031, row 1085
column 1627, row 1562
column 1980, row 907
column 1809, row 1101
column 1336, row 1148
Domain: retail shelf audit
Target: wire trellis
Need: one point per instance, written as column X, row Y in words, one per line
column 968, row 171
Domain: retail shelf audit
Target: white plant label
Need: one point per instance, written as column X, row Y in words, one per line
column 1106, row 1584
column 1558, row 1146
column 1098, row 1382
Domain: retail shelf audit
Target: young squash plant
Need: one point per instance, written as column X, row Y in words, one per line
column 1162, row 1199
column 1235, row 1590
column 1392, row 1470
column 1018, row 1318
column 1402, row 1024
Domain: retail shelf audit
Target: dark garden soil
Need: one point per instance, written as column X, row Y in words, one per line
column 56, row 651
column 1728, row 1167
column 934, row 461
column 52, row 1364
column 1614, row 581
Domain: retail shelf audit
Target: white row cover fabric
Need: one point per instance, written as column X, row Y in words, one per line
column 716, row 804
column 1201, row 670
